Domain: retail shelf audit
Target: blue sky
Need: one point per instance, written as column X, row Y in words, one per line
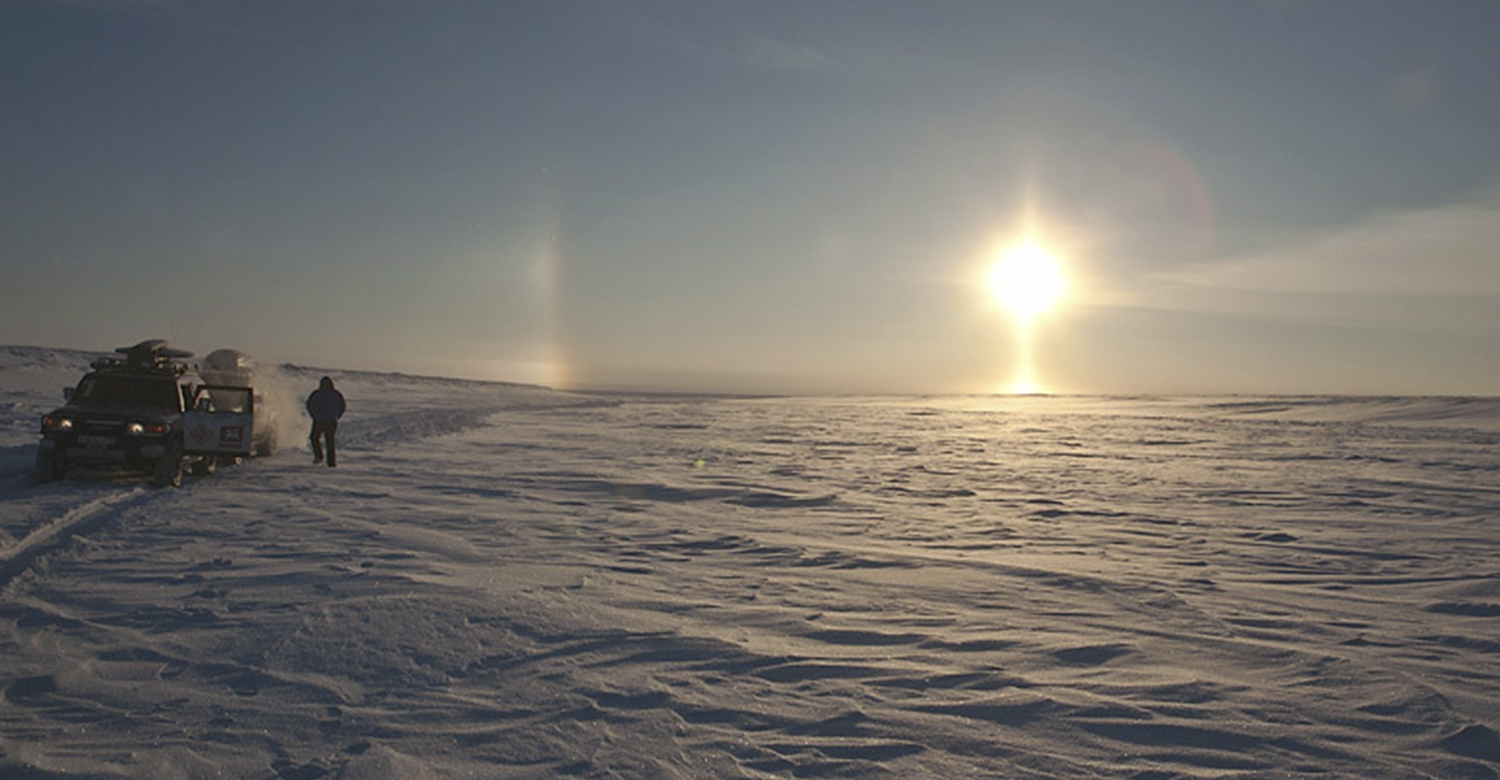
column 1278, row 196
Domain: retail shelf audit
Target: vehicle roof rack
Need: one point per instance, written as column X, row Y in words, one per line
column 152, row 356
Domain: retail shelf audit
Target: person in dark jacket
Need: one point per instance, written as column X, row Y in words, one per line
column 325, row 406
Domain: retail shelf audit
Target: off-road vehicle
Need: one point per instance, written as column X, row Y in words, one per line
column 143, row 409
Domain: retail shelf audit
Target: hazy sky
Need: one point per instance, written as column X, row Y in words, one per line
column 799, row 196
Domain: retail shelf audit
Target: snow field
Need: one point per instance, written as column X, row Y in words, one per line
column 508, row 582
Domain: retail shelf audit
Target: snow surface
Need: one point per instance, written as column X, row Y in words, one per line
column 503, row 581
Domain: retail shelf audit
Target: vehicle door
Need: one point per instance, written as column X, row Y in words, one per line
column 220, row 421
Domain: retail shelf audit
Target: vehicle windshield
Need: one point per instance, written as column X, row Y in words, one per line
column 133, row 392
column 223, row 399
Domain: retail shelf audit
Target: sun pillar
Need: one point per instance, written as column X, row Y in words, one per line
column 1027, row 281
column 1023, row 381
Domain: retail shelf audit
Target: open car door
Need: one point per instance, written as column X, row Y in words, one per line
column 220, row 421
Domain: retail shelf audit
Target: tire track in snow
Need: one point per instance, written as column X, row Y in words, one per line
column 84, row 518
column 385, row 429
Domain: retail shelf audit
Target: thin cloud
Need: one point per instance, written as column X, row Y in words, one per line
column 773, row 54
column 1414, row 89
column 118, row 7
column 1430, row 271
column 217, row 17
column 1449, row 251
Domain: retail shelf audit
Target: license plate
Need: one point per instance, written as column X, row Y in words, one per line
column 96, row 441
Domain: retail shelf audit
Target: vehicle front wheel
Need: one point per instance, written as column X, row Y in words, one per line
column 49, row 466
column 168, row 470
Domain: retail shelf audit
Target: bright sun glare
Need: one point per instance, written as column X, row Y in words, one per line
column 1027, row 280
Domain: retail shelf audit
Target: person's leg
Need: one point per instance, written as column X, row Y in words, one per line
column 317, row 446
column 330, row 432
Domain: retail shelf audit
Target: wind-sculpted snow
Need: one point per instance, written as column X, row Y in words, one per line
column 501, row 581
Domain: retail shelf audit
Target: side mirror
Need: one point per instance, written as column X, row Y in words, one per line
column 67, row 393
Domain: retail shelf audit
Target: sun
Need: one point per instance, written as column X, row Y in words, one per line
column 1027, row 280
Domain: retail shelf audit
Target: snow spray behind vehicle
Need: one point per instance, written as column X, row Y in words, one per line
column 232, row 368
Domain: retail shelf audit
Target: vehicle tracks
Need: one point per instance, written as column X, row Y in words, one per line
column 83, row 518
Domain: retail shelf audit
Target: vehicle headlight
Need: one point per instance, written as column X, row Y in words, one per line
column 146, row 429
column 56, row 423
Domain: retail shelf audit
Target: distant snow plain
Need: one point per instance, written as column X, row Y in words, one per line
column 501, row 581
